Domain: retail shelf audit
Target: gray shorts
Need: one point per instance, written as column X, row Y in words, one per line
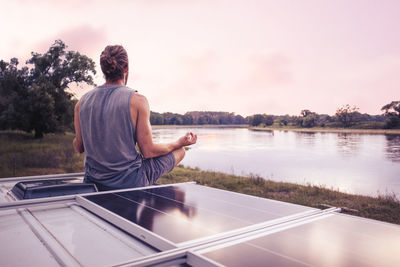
column 154, row 168
column 147, row 174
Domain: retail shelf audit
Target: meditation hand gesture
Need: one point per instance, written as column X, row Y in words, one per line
column 188, row 139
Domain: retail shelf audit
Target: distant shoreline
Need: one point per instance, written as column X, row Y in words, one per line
column 201, row 126
column 293, row 129
column 329, row 130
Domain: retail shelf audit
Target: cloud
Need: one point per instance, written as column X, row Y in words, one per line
column 58, row 3
column 268, row 70
column 263, row 83
column 85, row 39
column 211, row 80
column 194, row 85
column 200, row 70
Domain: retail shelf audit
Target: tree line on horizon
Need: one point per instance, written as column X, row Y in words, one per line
column 197, row 118
column 345, row 116
column 37, row 98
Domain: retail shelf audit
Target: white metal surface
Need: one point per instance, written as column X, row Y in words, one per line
column 19, row 245
column 73, row 231
column 194, row 259
column 58, row 234
column 55, row 231
column 139, row 247
column 62, row 256
column 4, row 197
column 90, row 243
column 140, row 232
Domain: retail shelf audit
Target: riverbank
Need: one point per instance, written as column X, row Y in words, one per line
column 328, row 130
column 22, row 155
column 287, row 128
column 217, row 126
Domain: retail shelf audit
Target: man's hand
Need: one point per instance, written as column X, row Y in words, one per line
column 188, row 139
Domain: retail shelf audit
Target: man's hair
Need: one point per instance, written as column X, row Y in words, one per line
column 113, row 62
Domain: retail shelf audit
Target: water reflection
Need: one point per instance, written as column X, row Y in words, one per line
column 353, row 163
column 165, row 214
column 306, row 138
column 348, row 144
column 392, row 147
column 150, row 205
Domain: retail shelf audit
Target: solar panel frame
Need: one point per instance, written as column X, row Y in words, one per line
column 126, row 225
column 162, row 243
column 195, row 259
column 202, row 257
column 209, row 245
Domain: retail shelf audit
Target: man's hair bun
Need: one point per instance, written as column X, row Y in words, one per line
column 113, row 62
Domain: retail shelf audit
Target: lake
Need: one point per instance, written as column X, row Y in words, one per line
column 367, row 164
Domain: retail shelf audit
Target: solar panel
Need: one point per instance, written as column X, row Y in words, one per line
column 187, row 212
column 334, row 240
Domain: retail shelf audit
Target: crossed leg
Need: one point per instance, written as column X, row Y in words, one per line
column 179, row 154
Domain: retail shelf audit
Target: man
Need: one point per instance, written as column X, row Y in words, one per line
column 109, row 121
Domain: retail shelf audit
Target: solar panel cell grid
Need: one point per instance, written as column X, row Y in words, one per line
column 187, row 212
column 337, row 240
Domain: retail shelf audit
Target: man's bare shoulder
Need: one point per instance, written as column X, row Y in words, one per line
column 140, row 97
column 139, row 101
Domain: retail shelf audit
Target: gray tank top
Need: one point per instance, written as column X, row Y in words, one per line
column 109, row 136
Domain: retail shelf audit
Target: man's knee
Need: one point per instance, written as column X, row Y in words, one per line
column 179, row 154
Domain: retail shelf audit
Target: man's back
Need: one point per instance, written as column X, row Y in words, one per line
column 109, row 121
column 108, row 132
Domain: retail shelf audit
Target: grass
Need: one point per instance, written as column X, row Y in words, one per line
column 22, row 155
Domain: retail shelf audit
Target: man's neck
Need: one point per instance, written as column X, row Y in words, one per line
column 120, row 82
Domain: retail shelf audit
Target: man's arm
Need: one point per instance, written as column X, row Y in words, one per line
column 144, row 133
column 78, row 142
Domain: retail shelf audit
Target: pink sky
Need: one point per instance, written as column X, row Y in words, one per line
column 274, row 57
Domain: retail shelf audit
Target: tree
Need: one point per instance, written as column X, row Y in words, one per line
column 310, row 120
column 256, row 119
column 50, row 77
column 283, row 122
column 307, row 119
column 213, row 120
column 201, row 120
column 187, row 119
column 269, row 120
column 156, row 118
column 392, row 109
column 38, row 98
column 305, row 112
column 176, row 120
column 14, row 96
column 392, row 113
column 347, row 115
column 239, row 120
